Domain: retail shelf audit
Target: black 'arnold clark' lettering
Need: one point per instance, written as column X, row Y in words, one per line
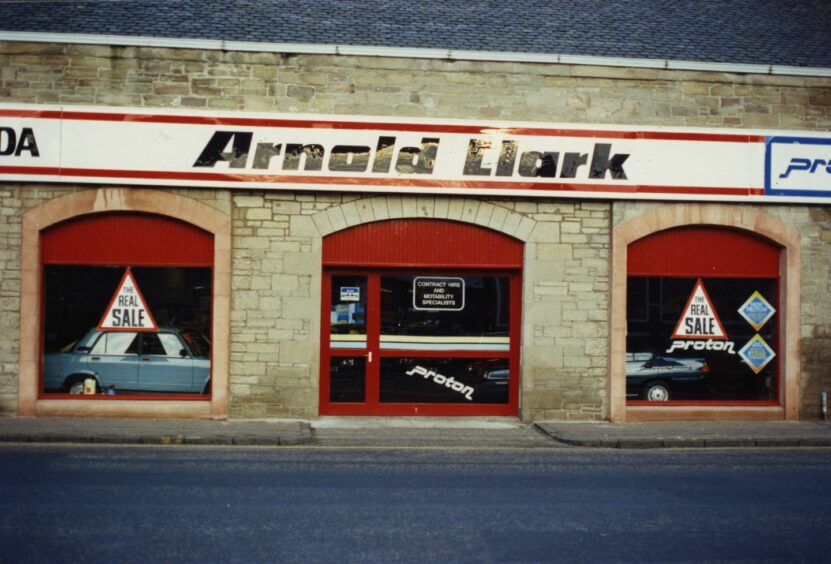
column 214, row 151
column 234, row 148
column 11, row 145
column 543, row 163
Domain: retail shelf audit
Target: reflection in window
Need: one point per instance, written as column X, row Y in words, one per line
column 346, row 380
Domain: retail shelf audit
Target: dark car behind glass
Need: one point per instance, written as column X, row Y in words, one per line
column 661, row 378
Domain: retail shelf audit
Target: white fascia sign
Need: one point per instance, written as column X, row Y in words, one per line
column 187, row 148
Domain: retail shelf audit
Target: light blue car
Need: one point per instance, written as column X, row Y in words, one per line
column 167, row 361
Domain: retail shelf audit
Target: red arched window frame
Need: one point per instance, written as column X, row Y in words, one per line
column 426, row 246
column 700, row 251
column 124, row 239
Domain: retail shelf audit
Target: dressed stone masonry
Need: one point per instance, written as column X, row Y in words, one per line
column 276, row 295
column 276, row 236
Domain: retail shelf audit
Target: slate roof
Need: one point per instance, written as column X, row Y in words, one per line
column 769, row 32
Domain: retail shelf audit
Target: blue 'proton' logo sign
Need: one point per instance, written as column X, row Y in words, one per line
column 757, row 353
column 798, row 166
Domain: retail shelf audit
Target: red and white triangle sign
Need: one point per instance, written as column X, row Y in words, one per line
column 699, row 319
column 128, row 310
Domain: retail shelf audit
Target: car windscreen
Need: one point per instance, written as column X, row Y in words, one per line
column 198, row 343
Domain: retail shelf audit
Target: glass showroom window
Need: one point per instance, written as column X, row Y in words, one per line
column 126, row 308
column 703, row 318
column 436, row 314
column 687, row 339
column 171, row 357
column 438, row 339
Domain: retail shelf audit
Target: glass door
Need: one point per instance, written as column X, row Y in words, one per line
column 427, row 342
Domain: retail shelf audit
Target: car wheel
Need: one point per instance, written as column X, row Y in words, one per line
column 656, row 391
column 77, row 387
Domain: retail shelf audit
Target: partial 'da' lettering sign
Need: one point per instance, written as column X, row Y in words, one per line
column 128, row 310
column 440, row 293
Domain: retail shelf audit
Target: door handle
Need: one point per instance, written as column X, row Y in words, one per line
column 369, row 357
column 95, row 358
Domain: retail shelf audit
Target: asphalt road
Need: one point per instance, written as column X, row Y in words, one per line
column 195, row 504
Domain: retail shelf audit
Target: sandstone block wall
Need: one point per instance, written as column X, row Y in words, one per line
column 160, row 77
column 276, row 238
column 275, row 331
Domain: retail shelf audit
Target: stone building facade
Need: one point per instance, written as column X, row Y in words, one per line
column 274, row 278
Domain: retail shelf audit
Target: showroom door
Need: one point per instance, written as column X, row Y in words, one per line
column 420, row 342
column 405, row 337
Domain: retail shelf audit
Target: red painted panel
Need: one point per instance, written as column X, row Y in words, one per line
column 127, row 238
column 422, row 242
column 701, row 251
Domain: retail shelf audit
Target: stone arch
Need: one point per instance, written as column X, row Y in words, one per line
column 103, row 200
column 379, row 208
column 719, row 215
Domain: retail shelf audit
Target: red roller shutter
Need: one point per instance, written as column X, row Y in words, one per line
column 421, row 242
column 701, row 251
column 127, row 238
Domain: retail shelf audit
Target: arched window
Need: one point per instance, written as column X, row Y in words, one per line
column 126, row 307
column 703, row 318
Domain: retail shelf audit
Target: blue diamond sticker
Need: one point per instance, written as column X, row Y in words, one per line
column 757, row 353
column 756, row 310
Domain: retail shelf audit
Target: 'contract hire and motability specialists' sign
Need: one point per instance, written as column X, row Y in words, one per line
column 164, row 147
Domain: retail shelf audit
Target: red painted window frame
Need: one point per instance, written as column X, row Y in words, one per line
column 425, row 247
column 80, row 242
column 373, row 405
column 666, row 254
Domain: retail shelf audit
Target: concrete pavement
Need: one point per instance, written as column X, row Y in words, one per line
column 436, row 432
column 153, row 431
column 690, row 434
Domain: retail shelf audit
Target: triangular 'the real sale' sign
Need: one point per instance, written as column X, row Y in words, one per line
column 699, row 319
column 127, row 310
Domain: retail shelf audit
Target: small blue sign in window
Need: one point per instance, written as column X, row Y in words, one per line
column 756, row 310
column 757, row 353
column 350, row 294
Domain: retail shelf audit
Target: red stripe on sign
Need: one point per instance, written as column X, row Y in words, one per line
column 381, row 126
column 382, row 182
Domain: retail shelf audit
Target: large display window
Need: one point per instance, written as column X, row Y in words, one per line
column 703, row 319
column 421, row 340
column 716, row 353
column 126, row 308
